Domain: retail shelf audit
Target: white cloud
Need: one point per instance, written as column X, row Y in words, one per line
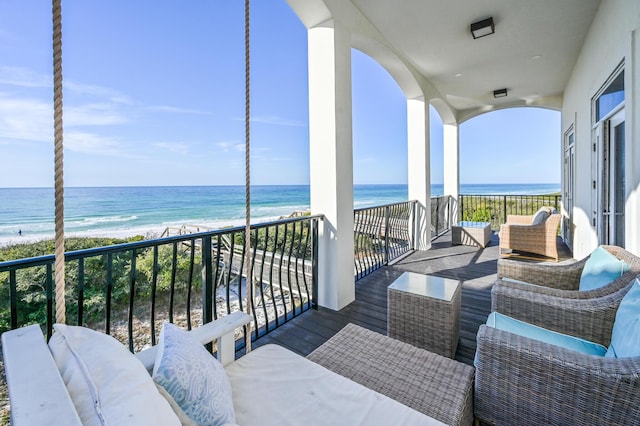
column 92, row 143
column 94, row 115
column 177, row 148
column 225, row 146
column 25, row 119
column 101, row 92
column 175, row 110
column 274, row 120
column 24, row 77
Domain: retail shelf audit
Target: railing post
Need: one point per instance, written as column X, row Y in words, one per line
column 314, row 263
column 107, row 323
column 50, row 309
column 207, row 284
column 132, row 292
column 461, row 211
column 504, row 202
column 207, row 281
column 13, row 296
column 437, row 217
column 386, row 235
column 413, row 224
column 81, row 291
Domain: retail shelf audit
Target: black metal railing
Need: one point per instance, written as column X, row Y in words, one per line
column 495, row 208
column 440, row 215
column 129, row 289
column 381, row 234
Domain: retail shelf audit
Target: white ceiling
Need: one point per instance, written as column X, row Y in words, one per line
column 532, row 53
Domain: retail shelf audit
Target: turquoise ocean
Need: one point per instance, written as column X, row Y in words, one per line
column 120, row 211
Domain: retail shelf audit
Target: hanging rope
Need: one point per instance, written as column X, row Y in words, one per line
column 247, row 176
column 58, row 161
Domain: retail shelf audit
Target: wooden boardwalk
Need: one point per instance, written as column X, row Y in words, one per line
column 474, row 267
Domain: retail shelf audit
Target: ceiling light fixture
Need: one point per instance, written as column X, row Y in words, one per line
column 500, row 93
column 483, row 28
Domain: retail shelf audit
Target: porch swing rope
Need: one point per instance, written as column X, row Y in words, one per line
column 247, row 176
column 58, row 162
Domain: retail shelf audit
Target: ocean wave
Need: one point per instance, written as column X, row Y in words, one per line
column 88, row 221
column 267, row 210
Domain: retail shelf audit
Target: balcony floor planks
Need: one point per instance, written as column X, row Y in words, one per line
column 474, row 267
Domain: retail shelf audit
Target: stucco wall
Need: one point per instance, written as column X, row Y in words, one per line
column 613, row 38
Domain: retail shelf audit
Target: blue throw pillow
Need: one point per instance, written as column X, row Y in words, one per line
column 600, row 269
column 521, row 328
column 625, row 338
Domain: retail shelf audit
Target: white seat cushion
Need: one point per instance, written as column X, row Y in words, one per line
column 274, row 386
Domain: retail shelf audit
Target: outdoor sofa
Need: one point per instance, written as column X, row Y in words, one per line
column 270, row 385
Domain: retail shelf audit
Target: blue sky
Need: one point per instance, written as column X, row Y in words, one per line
column 154, row 95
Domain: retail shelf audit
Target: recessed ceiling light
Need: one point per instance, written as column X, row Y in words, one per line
column 536, row 57
column 459, row 74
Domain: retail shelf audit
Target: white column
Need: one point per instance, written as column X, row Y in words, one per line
column 632, row 129
column 451, row 169
column 331, row 155
column 419, row 169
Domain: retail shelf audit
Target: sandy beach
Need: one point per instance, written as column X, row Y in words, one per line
column 148, row 232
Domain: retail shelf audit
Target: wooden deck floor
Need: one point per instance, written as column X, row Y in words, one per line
column 476, row 269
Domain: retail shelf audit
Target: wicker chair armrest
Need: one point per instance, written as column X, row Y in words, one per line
column 521, row 229
column 564, row 276
column 520, row 381
column 519, row 219
column 591, row 319
column 512, row 235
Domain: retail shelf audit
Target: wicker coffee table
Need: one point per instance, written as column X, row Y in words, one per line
column 471, row 233
column 424, row 311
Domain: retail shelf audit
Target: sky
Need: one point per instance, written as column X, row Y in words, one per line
column 154, row 95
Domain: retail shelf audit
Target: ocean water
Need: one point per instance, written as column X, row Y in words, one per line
column 120, row 211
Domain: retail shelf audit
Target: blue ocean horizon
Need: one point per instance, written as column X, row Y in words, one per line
column 119, row 211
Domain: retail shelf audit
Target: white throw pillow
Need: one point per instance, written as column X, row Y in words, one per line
column 107, row 383
column 541, row 215
column 193, row 377
column 184, row 419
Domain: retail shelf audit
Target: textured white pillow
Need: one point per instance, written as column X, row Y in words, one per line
column 107, row 383
column 541, row 215
column 193, row 377
column 184, row 419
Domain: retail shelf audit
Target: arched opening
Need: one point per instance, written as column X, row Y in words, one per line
column 515, row 146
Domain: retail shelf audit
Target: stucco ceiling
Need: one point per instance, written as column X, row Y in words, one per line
column 532, row 53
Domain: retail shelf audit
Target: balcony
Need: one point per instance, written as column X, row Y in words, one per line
column 181, row 278
column 127, row 290
column 474, row 268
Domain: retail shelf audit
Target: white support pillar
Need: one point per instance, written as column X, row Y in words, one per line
column 451, row 139
column 632, row 125
column 419, row 169
column 331, row 155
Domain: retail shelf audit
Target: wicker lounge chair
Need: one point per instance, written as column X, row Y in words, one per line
column 555, row 302
column 521, row 381
column 520, row 234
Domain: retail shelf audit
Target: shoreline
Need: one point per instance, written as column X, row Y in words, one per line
column 147, row 231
